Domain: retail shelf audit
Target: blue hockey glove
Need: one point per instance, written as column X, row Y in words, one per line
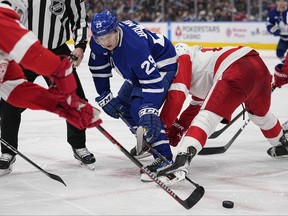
column 277, row 32
column 151, row 122
column 111, row 106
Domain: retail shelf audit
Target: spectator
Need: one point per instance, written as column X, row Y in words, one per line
column 277, row 24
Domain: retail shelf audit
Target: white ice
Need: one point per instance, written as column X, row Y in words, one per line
column 245, row 174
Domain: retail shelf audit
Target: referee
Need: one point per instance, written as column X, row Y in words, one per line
column 54, row 22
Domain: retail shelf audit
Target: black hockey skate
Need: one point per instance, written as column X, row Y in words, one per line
column 153, row 168
column 85, row 158
column 280, row 150
column 285, row 129
column 6, row 163
column 179, row 169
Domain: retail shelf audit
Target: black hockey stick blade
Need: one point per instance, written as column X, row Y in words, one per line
column 213, row 150
column 222, row 149
column 219, row 132
column 188, row 203
column 193, row 199
column 50, row 175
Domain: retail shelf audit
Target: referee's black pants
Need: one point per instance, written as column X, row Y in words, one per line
column 11, row 115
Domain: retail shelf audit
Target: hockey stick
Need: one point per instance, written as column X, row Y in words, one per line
column 219, row 132
column 188, row 203
column 140, row 132
column 133, row 130
column 50, row 175
column 222, row 149
column 140, row 142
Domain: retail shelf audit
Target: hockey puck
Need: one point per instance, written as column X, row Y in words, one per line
column 227, row 204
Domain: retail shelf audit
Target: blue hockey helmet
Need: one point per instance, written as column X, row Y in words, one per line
column 103, row 23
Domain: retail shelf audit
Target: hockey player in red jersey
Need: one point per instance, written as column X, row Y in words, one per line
column 280, row 79
column 19, row 47
column 219, row 80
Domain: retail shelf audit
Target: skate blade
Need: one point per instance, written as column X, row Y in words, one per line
column 173, row 178
column 6, row 171
column 144, row 155
column 280, row 157
column 87, row 166
column 145, row 178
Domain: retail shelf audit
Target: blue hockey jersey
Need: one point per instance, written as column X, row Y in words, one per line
column 140, row 58
column 277, row 23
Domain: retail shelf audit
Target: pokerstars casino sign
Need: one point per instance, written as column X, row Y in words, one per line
column 215, row 34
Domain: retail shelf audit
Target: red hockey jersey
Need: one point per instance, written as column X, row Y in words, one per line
column 197, row 72
column 20, row 46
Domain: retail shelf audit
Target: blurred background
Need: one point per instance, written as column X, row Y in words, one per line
column 184, row 10
column 209, row 23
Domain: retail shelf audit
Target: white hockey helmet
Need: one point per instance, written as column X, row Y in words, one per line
column 20, row 6
column 182, row 48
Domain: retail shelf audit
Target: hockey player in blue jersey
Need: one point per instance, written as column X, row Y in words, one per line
column 148, row 63
column 277, row 24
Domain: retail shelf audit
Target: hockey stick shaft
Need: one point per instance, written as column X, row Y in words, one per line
column 154, row 150
column 50, row 175
column 188, row 203
column 165, row 160
column 219, row 132
column 222, row 149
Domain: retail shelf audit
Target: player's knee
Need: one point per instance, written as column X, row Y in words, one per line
column 265, row 122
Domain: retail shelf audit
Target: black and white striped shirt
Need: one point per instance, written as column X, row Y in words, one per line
column 54, row 20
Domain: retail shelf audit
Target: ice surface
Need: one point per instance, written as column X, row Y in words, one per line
column 245, row 174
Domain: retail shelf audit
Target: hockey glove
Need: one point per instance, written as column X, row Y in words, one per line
column 150, row 121
column 180, row 126
column 77, row 111
column 111, row 106
column 175, row 133
column 63, row 79
column 277, row 32
column 280, row 77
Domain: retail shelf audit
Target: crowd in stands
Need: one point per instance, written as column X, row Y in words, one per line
column 183, row 10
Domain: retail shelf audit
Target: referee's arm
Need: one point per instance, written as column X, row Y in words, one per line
column 79, row 28
column 78, row 21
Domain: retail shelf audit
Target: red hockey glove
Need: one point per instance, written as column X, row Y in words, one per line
column 179, row 127
column 175, row 133
column 280, row 77
column 76, row 111
column 83, row 115
column 63, row 78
